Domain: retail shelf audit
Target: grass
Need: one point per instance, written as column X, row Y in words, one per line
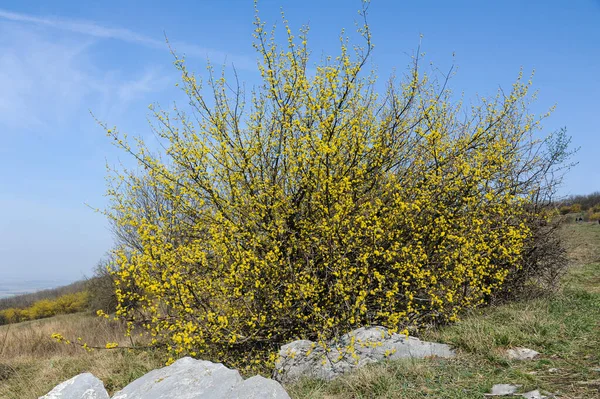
column 565, row 328
column 31, row 363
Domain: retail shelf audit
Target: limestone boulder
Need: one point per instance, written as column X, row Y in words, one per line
column 362, row 346
column 82, row 386
column 189, row 378
column 257, row 387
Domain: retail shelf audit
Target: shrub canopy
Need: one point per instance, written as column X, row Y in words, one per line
column 319, row 205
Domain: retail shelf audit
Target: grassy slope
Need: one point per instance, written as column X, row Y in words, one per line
column 31, row 363
column 564, row 328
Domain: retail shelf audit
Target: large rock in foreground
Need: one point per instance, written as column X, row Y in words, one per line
column 187, row 378
column 82, row 386
column 257, row 387
column 360, row 347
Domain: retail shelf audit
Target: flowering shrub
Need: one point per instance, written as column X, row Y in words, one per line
column 319, row 205
column 64, row 304
column 594, row 216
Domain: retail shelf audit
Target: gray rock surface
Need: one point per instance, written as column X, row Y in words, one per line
column 82, row 386
column 533, row 395
column 511, row 391
column 187, row 378
column 370, row 344
column 521, row 354
column 258, row 387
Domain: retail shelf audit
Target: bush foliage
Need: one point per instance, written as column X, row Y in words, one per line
column 320, row 205
column 26, row 300
column 64, row 304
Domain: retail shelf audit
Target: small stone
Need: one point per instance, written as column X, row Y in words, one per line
column 533, row 395
column 258, row 387
column 82, row 386
column 553, row 370
column 521, row 354
column 503, row 390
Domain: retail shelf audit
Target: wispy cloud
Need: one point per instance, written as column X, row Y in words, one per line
column 90, row 28
column 47, row 81
column 84, row 27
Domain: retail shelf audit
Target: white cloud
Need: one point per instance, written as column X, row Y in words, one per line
column 90, row 28
column 84, row 27
column 47, row 81
column 144, row 84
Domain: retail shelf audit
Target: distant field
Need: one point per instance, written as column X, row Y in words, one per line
column 9, row 293
column 13, row 288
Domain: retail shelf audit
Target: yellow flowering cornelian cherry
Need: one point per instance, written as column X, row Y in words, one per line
column 317, row 205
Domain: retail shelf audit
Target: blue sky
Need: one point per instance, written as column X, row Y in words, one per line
column 61, row 59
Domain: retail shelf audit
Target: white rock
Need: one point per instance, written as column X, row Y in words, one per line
column 82, row 386
column 258, row 387
column 371, row 344
column 533, row 395
column 187, row 378
column 521, row 354
column 503, row 390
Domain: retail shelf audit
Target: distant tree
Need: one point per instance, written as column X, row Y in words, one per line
column 585, row 202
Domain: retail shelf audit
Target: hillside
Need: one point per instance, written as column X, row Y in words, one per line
column 27, row 299
column 564, row 328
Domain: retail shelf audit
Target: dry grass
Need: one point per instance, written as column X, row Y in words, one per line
column 32, row 363
column 32, row 338
column 583, row 242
